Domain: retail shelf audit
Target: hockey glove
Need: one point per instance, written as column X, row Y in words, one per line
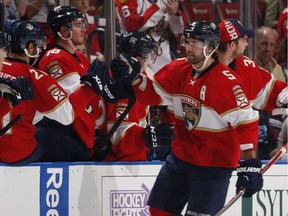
column 98, row 78
column 125, row 68
column 249, row 176
column 16, row 90
column 102, row 146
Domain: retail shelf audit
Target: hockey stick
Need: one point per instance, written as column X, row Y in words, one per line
column 263, row 170
column 10, row 124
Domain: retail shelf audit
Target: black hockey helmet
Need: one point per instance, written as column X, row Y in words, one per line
column 136, row 44
column 205, row 31
column 3, row 42
column 21, row 33
column 63, row 16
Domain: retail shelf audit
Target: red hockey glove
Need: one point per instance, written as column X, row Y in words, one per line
column 249, row 176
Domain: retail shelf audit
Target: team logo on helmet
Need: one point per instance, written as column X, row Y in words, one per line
column 132, row 40
column 191, row 111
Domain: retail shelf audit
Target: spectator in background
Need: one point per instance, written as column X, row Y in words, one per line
column 266, row 43
column 13, row 10
column 273, row 10
column 36, row 11
column 282, row 27
column 161, row 19
column 82, row 48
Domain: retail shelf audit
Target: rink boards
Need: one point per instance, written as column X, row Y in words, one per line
column 114, row 189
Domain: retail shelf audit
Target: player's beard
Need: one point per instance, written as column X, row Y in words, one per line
column 194, row 59
column 238, row 52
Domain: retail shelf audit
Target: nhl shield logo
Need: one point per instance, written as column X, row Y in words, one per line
column 191, row 111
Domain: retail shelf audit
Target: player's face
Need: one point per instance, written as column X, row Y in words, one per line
column 240, row 47
column 194, row 50
column 79, row 28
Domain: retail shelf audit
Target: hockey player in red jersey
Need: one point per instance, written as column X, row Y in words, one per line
column 262, row 90
column 214, row 121
column 18, row 145
column 66, row 65
column 133, row 139
column 158, row 18
column 11, row 91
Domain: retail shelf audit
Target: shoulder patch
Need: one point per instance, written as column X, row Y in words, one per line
column 56, row 93
column 54, row 69
column 240, row 96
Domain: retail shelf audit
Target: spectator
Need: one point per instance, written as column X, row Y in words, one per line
column 19, row 147
column 83, row 49
column 13, row 10
column 36, row 11
column 282, row 27
column 209, row 134
column 162, row 20
column 266, row 43
column 264, row 91
column 273, row 10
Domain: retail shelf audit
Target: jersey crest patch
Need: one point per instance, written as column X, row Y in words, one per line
column 240, row 96
column 120, row 109
column 56, row 93
column 191, row 111
column 55, row 70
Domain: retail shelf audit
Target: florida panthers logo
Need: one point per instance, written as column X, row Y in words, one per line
column 191, row 111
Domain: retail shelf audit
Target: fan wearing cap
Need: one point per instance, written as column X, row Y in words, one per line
column 263, row 91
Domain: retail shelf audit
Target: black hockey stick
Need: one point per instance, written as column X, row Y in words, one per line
column 131, row 102
column 263, row 170
column 10, row 124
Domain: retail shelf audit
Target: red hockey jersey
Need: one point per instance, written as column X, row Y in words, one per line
column 259, row 85
column 129, row 139
column 67, row 70
column 213, row 118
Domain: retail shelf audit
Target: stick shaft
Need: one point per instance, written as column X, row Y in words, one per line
column 263, row 170
column 10, row 124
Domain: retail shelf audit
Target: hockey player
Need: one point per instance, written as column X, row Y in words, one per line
column 134, row 138
column 160, row 19
column 11, row 91
column 262, row 90
column 18, row 145
column 66, row 65
column 213, row 123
